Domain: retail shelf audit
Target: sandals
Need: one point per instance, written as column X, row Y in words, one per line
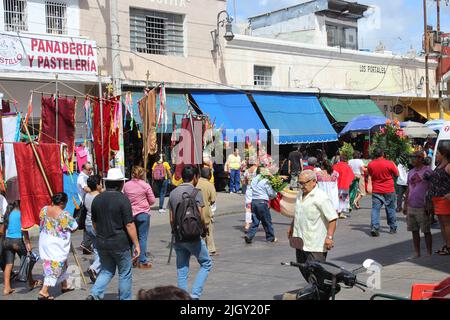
column 9, row 293
column 65, row 290
column 444, row 251
column 36, row 284
column 42, row 297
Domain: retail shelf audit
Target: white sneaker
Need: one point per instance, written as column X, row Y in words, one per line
column 162, row 210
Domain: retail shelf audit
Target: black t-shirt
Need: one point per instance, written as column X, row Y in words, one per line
column 295, row 157
column 111, row 212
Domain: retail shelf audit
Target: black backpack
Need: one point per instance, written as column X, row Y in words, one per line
column 188, row 225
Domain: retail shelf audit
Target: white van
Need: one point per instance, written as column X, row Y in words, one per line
column 444, row 134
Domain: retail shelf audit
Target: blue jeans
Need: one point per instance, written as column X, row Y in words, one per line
column 184, row 251
column 111, row 260
column 389, row 202
column 162, row 187
column 142, row 222
column 235, row 180
column 96, row 266
column 261, row 214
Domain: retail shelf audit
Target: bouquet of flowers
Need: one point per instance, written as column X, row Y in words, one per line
column 393, row 141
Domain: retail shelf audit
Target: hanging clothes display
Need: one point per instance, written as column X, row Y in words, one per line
column 147, row 109
column 11, row 127
column 33, row 190
column 190, row 146
column 110, row 141
column 6, row 106
column 82, row 156
column 66, row 123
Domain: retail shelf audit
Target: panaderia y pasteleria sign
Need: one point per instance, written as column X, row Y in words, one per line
column 42, row 53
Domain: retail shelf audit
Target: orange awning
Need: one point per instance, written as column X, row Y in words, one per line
column 420, row 106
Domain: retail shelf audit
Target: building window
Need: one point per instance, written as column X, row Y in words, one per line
column 15, row 15
column 341, row 36
column 262, row 76
column 56, row 17
column 155, row 32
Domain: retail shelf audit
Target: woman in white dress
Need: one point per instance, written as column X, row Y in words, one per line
column 56, row 227
column 327, row 180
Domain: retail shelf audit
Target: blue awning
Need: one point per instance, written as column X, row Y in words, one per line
column 299, row 118
column 175, row 103
column 232, row 112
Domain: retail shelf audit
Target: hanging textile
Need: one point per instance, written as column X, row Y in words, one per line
column 190, row 145
column 66, row 123
column 30, row 109
column 82, row 156
column 147, row 109
column 70, row 188
column 6, row 106
column 33, row 191
column 10, row 128
column 110, row 141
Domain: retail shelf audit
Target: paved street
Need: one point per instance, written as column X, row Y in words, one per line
column 254, row 272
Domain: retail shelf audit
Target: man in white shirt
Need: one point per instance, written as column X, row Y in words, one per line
column 82, row 186
column 82, row 189
column 314, row 222
column 402, row 185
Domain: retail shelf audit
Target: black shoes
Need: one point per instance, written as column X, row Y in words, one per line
column 375, row 233
column 393, row 231
column 247, row 240
column 90, row 297
column 92, row 275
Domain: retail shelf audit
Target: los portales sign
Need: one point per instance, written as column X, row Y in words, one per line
column 48, row 54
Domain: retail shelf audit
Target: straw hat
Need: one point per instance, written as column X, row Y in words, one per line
column 115, row 174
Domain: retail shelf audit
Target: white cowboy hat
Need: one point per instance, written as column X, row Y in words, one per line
column 115, row 174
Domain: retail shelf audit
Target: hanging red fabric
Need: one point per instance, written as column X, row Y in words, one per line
column 66, row 122
column 34, row 194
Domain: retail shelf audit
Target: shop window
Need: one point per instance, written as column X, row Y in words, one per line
column 56, row 17
column 155, row 32
column 262, row 76
column 15, row 15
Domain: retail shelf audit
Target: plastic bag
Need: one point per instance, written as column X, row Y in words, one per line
column 26, row 265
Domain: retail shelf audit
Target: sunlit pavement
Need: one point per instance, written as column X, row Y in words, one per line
column 254, row 271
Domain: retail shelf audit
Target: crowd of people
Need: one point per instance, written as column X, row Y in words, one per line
column 118, row 214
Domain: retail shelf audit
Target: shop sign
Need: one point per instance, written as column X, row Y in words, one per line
column 29, row 53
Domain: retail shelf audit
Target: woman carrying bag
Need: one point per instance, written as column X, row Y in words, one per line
column 15, row 241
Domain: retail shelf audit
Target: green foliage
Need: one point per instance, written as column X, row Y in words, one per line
column 347, row 150
column 393, row 142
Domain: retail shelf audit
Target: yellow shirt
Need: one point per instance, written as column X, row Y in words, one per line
column 166, row 166
column 234, row 162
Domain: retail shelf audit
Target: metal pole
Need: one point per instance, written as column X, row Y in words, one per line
column 117, row 86
column 427, row 76
column 101, row 119
column 439, row 77
column 57, row 110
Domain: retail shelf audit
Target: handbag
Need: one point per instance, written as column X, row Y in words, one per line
column 80, row 216
column 26, row 265
column 296, row 243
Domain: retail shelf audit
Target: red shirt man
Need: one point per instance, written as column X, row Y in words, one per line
column 382, row 172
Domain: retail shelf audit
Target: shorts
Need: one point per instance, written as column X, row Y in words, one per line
column 441, row 206
column 417, row 220
column 11, row 247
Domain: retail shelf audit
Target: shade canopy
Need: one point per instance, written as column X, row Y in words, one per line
column 344, row 110
column 435, row 125
column 417, row 130
column 364, row 123
column 296, row 118
column 420, row 106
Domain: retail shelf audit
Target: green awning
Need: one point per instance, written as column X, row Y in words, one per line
column 344, row 110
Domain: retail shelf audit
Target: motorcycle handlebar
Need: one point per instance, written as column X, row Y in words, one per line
column 294, row 264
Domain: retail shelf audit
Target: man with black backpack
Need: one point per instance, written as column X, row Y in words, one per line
column 188, row 228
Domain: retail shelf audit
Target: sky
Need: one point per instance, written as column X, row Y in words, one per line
column 396, row 23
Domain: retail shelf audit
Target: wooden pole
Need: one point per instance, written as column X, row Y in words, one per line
column 427, row 47
column 41, row 168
